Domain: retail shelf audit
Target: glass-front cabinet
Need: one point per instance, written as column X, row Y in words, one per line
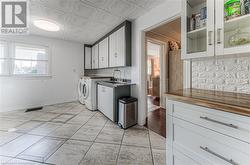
column 232, row 27
column 215, row 27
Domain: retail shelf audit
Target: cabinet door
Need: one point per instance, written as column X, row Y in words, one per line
column 120, row 49
column 87, row 58
column 106, row 101
column 112, row 49
column 103, row 53
column 232, row 28
column 117, row 48
column 95, row 56
column 202, row 144
column 197, row 28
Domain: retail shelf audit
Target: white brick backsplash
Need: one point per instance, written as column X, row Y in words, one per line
column 125, row 72
column 226, row 74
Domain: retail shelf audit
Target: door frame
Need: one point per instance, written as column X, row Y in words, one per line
column 143, row 58
column 163, row 77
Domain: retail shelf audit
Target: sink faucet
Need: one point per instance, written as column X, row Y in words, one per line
column 117, row 70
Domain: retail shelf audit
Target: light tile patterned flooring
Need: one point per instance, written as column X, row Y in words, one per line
column 69, row 134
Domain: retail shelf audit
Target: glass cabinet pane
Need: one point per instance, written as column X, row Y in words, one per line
column 236, row 23
column 196, row 26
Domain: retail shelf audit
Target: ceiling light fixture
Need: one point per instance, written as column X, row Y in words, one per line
column 46, row 25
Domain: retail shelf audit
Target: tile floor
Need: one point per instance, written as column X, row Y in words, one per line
column 69, row 134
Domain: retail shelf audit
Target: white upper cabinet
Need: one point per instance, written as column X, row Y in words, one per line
column 95, row 56
column 117, row 48
column 197, row 28
column 87, row 60
column 112, row 50
column 104, row 53
column 212, row 28
column 232, row 27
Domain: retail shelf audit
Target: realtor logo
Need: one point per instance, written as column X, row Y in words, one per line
column 14, row 17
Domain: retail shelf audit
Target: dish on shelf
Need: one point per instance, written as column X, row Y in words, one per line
column 239, row 38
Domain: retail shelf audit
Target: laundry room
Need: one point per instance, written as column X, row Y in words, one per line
column 124, row 82
column 69, row 83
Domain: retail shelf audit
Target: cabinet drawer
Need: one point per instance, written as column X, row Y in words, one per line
column 182, row 159
column 233, row 125
column 204, row 145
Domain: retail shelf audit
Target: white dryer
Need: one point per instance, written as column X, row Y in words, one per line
column 82, row 90
column 90, row 97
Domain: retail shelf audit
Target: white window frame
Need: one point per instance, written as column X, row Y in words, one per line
column 7, row 56
column 11, row 49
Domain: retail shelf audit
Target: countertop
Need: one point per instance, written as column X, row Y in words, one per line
column 96, row 77
column 105, row 83
column 225, row 101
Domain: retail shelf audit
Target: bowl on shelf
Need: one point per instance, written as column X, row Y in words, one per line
column 239, row 38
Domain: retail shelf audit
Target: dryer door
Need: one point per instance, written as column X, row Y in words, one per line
column 85, row 91
column 80, row 88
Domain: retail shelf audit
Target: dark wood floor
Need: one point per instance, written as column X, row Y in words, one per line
column 156, row 121
column 154, row 100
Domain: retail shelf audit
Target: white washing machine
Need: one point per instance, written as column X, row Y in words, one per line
column 82, row 90
column 89, row 93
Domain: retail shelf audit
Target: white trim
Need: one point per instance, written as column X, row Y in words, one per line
column 142, row 88
column 6, row 55
column 187, row 74
column 19, row 41
column 27, row 76
column 163, row 73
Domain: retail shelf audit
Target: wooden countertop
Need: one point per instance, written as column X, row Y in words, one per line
column 225, row 101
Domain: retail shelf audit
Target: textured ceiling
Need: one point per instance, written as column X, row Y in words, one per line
column 171, row 29
column 86, row 21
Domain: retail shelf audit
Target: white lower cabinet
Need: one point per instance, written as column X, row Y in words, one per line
column 182, row 159
column 105, row 100
column 199, row 135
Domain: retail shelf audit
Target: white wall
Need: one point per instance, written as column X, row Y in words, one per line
column 67, row 66
column 156, row 16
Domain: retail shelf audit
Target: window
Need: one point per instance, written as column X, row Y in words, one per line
column 30, row 60
column 25, row 60
column 4, row 60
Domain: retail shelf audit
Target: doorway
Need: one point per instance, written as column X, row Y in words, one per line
column 164, row 69
column 155, row 51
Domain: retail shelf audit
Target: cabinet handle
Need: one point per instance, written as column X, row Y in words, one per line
column 115, row 54
column 210, row 42
column 218, row 155
column 219, row 122
column 219, row 35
